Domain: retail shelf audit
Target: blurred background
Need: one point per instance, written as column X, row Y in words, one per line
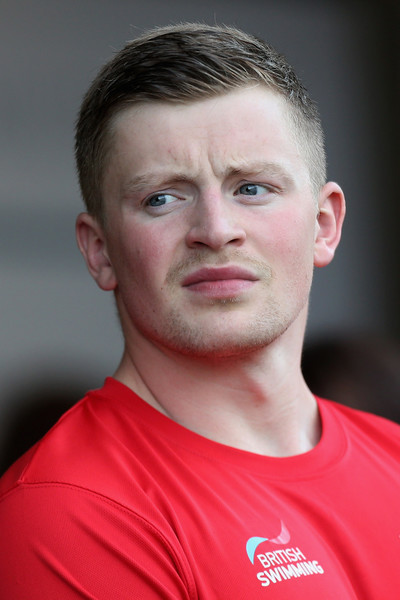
column 59, row 333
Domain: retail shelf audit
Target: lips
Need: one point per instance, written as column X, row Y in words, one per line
column 220, row 283
column 215, row 274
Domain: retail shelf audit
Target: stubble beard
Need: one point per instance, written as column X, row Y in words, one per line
column 219, row 341
column 223, row 334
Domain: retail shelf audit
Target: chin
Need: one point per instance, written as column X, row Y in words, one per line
column 217, row 346
column 217, row 336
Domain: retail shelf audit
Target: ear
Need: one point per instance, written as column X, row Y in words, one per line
column 92, row 244
column 332, row 209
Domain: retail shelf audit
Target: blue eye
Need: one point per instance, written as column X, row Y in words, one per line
column 251, row 189
column 160, row 200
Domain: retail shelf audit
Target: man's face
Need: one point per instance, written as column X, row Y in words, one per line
column 211, row 223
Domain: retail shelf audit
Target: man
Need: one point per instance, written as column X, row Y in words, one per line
column 205, row 468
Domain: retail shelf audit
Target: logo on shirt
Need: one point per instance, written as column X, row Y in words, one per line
column 281, row 564
column 254, row 542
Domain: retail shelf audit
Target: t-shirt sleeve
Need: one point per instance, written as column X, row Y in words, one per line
column 65, row 543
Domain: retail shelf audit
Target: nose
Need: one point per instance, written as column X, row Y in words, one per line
column 215, row 223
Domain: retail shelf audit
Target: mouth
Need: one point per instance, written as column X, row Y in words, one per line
column 220, row 282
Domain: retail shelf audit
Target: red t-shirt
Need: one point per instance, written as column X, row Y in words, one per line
column 118, row 502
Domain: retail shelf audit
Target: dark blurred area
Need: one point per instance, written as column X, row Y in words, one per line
column 361, row 371
column 33, row 411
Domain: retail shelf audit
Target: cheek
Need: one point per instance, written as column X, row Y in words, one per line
column 293, row 240
column 149, row 249
column 292, row 254
column 143, row 258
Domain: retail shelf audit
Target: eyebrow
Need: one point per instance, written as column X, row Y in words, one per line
column 261, row 168
column 165, row 179
column 151, row 179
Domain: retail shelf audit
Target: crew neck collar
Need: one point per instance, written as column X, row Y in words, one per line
column 325, row 455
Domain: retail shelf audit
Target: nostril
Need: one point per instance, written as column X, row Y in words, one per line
column 214, row 238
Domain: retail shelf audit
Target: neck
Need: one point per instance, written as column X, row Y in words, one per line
column 258, row 402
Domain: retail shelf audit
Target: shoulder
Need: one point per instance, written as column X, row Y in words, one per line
column 370, row 429
column 74, row 511
column 361, row 417
column 59, row 456
column 88, row 448
column 71, row 541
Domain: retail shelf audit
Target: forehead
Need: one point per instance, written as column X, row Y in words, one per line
column 250, row 124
